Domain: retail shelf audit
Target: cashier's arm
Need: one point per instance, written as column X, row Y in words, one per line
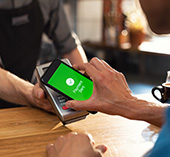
column 16, row 90
column 77, row 56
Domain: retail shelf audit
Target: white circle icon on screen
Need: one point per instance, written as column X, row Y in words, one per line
column 70, row 82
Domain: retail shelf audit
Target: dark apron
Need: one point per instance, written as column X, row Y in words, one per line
column 20, row 38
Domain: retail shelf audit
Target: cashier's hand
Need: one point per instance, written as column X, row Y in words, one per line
column 39, row 99
column 111, row 93
column 75, row 145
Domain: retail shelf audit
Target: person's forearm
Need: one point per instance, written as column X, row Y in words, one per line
column 14, row 89
column 147, row 111
column 77, row 56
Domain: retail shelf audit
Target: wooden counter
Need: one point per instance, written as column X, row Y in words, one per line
column 26, row 131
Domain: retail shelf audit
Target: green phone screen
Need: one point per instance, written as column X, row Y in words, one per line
column 71, row 83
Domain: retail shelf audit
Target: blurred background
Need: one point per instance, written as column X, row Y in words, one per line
column 117, row 31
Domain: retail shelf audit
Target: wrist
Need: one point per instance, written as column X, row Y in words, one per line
column 146, row 111
column 25, row 91
column 28, row 95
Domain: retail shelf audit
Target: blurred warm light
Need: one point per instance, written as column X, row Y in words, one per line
column 134, row 21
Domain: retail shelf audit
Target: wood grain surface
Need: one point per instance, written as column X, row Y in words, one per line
column 26, row 131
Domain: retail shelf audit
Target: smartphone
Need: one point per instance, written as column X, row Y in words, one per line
column 57, row 100
column 66, row 80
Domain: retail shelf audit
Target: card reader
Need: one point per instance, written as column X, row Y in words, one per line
column 66, row 115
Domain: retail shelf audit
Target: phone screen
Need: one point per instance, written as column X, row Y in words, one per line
column 71, row 83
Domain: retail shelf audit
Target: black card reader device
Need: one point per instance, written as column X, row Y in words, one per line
column 66, row 115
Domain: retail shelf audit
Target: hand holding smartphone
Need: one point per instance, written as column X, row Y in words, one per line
column 66, row 80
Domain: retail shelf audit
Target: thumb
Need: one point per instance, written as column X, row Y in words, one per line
column 101, row 148
column 50, row 150
column 77, row 105
column 38, row 92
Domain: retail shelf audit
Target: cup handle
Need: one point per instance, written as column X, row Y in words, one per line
column 161, row 90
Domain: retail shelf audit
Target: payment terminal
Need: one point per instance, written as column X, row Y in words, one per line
column 66, row 115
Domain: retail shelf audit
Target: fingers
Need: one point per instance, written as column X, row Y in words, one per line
column 91, row 138
column 98, row 64
column 120, row 74
column 38, row 92
column 74, row 105
column 85, row 142
column 107, row 65
column 39, row 99
column 50, row 150
column 94, row 65
column 89, row 69
column 101, row 148
column 47, row 107
column 49, row 146
column 80, row 105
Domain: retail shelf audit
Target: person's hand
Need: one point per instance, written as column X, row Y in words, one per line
column 75, row 145
column 111, row 93
column 39, row 99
